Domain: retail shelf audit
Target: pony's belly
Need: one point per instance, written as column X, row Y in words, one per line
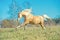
column 35, row 21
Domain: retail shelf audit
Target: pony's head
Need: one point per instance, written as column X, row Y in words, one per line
column 19, row 16
column 24, row 12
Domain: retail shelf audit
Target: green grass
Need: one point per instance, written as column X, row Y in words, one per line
column 31, row 33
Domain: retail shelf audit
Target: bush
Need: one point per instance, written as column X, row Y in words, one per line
column 9, row 23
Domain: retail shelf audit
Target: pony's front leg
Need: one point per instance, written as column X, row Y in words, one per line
column 25, row 23
column 22, row 25
column 18, row 27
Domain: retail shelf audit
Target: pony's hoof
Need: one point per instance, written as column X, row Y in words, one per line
column 18, row 26
column 44, row 28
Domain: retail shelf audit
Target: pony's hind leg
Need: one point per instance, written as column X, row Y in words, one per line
column 42, row 26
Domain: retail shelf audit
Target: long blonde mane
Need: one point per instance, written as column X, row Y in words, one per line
column 27, row 10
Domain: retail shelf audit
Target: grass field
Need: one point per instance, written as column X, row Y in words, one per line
column 31, row 33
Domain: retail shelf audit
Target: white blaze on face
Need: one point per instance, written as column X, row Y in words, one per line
column 19, row 17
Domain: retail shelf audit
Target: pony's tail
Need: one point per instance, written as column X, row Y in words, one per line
column 46, row 17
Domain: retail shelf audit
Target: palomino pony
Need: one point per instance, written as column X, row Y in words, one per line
column 29, row 18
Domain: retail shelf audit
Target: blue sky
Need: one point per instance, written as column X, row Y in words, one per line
column 39, row 7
